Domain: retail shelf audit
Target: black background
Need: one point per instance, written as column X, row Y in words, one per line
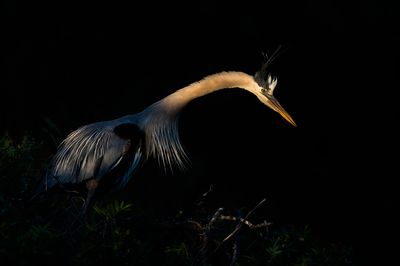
column 80, row 63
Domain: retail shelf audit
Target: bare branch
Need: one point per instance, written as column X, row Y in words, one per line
column 235, row 253
column 239, row 226
column 202, row 256
column 249, row 224
column 215, row 217
column 201, row 199
column 196, row 225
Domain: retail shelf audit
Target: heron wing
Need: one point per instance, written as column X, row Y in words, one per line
column 90, row 152
column 131, row 155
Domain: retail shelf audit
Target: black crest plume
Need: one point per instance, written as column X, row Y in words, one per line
column 261, row 76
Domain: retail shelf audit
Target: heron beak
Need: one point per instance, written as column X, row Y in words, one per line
column 275, row 105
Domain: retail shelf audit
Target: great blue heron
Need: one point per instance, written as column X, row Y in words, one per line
column 112, row 150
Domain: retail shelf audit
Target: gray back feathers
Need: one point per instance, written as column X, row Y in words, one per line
column 89, row 151
column 94, row 150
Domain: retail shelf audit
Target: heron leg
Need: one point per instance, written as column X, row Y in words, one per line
column 91, row 186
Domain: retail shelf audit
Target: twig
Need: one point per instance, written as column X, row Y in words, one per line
column 201, row 199
column 249, row 224
column 215, row 217
column 206, row 232
column 239, row 226
column 196, row 225
column 235, row 253
column 208, row 227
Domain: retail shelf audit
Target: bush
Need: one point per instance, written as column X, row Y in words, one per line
column 118, row 232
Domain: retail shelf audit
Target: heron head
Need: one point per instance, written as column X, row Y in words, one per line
column 264, row 90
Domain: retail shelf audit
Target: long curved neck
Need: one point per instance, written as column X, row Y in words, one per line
column 177, row 100
column 159, row 121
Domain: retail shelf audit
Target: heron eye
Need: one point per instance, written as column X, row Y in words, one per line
column 263, row 90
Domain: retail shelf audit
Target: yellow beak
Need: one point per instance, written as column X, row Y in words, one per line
column 274, row 104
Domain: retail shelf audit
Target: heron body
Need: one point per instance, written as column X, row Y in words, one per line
column 114, row 149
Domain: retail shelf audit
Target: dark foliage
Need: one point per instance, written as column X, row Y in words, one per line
column 49, row 232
